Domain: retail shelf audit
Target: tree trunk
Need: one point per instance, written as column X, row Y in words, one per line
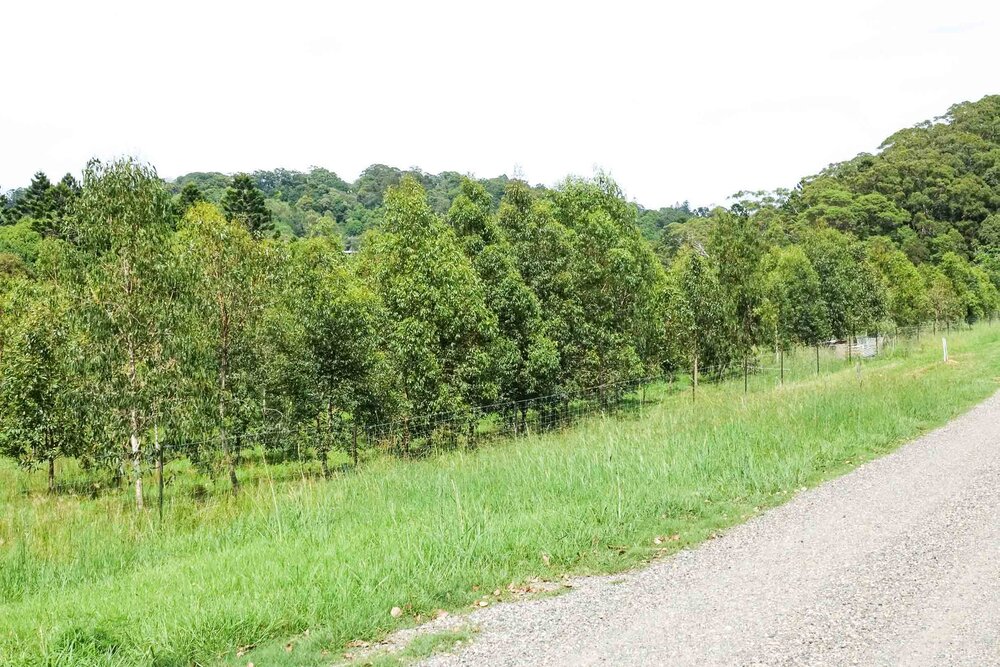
column 324, row 451
column 136, row 458
column 227, row 455
column 159, row 468
column 134, row 424
column 694, row 382
column 354, row 445
column 406, row 437
column 52, row 474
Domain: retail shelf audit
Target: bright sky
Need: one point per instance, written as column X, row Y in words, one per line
column 692, row 100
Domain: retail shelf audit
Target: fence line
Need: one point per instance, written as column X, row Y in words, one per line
column 472, row 426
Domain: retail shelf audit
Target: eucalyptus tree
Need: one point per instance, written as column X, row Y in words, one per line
column 527, row 360
column 736, row 245
column 121, row 223
column 40, row 394
column 230, row 286
column 439, row 330
column 616, row 277
column 792, row 288
column 851, row 286
column 698, row 322
column 943, row 301
column 542, row 248
column 972, row 285
column 342, row 321
column 906, row 291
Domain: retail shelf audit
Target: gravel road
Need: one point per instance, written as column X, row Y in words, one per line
column 896, row 563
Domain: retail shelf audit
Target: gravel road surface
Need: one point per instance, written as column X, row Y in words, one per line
column 896, row 563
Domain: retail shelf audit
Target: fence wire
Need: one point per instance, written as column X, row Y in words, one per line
column 310, row 445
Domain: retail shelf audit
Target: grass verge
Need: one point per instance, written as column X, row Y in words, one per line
column 314, row 565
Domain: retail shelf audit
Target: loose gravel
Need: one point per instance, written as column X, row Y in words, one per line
column 896, row 563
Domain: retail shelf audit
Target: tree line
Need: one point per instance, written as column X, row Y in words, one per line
column 135, row 314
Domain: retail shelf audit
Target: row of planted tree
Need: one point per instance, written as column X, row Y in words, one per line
column 135, row 325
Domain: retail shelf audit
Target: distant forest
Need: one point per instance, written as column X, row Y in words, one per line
column 211, row 306
column 301, row 203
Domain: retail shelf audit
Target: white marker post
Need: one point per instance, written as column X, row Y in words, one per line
column 944, row 348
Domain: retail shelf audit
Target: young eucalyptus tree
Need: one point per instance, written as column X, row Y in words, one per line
column 341, row 319
column 792, row 288
column 542, row 249
column 439, row 330
column 699, row 323
column 39, row 389
column 737, row 247
column 230, row 289
column 121, row 223
column 527, row 359
column 616, row 277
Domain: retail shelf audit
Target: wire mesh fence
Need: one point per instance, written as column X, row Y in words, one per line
column 318, row 448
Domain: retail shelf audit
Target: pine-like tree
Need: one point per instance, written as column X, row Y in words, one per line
column 190, row 195
column 36, row 202
column 244, row 203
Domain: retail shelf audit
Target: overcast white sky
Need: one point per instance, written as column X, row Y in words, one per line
column 691, row 100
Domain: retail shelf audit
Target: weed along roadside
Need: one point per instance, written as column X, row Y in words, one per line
column 295, row 561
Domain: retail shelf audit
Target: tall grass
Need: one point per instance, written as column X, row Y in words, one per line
column 311, row 565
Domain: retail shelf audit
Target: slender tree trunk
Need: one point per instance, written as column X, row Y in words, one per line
column 406, row 436
column 325, row 447
column 227, row 455
column 159, row 468
column 136, row 457
column 134, row 442
column 781, row 365
column 694, row 382
column 52, row 474
column 354, row 445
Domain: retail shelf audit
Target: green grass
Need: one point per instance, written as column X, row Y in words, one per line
column 312, row 564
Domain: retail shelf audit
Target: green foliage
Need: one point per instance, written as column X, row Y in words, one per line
column 244, row 204
column 793, row 289
column 21, row 240
column 40, row 395
column 737, row 247
column 906, row 290
column 342, row 320
column 699, row 323
column 190, row 195
column 194, row 325
column 617, row 281
column 975, row 292
column 439, row 330
column 230, row 290
column 122, row 225
column 852, row 289
column 527, row 360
